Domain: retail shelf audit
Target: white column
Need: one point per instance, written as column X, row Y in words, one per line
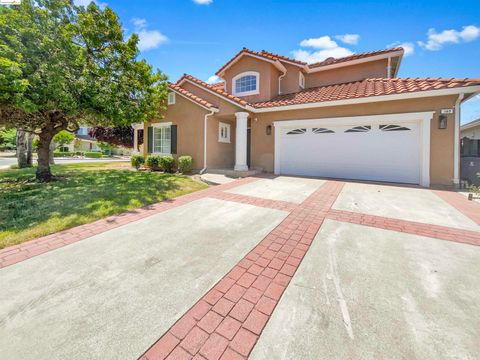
column 135, row 140
column 241, row 142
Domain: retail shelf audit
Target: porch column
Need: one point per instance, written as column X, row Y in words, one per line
column 135, row 140
column 241, row 142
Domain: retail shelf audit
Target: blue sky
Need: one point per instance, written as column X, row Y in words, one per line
column 199, row 36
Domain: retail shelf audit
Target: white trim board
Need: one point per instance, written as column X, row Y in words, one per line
column 423, row 118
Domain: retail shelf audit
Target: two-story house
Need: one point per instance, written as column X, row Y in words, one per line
column 348, row 118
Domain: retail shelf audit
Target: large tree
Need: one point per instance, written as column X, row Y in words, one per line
column 62, row 65
column 118, row 136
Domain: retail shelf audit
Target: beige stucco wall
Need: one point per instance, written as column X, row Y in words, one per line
column 290, row 82
column 220, row 155
column 372, row 69
column 441, row 141
column 189, row 119
column 268, row 77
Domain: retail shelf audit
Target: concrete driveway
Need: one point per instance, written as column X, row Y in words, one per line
column 261, row 268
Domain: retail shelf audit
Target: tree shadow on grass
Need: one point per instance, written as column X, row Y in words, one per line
column 82, row 196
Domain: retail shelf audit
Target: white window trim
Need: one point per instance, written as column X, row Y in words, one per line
column 246, row 93
column 301, row 80
column 160, row 125
column 171, row 98
column 220, row 138
column 422, row 118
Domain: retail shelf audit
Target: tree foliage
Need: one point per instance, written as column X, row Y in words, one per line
column 63, row 138
column 62, row 65
column 118, row 136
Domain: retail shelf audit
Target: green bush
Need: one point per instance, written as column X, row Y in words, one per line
column 167, row 163
column 137, row 161
column 153, row 162
column 63, row 153
column 93, row 154
column 185, row 164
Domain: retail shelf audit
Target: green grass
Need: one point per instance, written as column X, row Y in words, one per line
column 84, row 193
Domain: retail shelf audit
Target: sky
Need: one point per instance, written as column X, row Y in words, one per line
column 441, row 38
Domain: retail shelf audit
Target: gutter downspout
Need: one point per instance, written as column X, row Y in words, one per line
column 205, row 131
column 456, row 142
column 280, row 82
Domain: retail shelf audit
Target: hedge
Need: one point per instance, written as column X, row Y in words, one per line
column 93, row 154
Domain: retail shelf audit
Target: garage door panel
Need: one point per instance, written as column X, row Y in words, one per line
column 364, row 153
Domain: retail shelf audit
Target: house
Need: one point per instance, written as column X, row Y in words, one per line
column 470, row 152
column 83, row 141
column 347, row 117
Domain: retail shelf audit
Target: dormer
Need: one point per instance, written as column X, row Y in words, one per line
column 260, row 76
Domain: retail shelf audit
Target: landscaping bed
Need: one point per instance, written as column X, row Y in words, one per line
column 82, row 194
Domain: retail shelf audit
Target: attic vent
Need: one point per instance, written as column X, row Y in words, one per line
column 297, row 131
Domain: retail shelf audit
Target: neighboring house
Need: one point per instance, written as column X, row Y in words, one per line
column 470, row 151
column 83, row 141
column 342, row 118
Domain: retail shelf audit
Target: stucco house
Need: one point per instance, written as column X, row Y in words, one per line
column 347, row 117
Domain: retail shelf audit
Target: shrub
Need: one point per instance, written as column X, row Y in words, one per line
column 185, row 164
column 167, row 163
column 137, row 161
column 93, row 154
column 63, row 153
column 153, row 162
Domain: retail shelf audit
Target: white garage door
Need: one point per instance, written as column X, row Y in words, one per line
column 382, row 151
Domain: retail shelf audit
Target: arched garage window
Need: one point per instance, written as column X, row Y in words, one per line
column 246, row 83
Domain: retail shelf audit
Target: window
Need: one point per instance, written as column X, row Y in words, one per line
column 322, row 131
column 162, row 139
column 393, row 128
column 246, row 83
column 301, row 80
column 82, row 131
column 297, row 132
column 171, row 98
column 223, row 132
column 356, row 129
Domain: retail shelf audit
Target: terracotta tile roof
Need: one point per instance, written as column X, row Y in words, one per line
column 366, row 88
column 265, row 54
column 217, row 90
column 191, row 96
column 219, row 85
column 331, row 61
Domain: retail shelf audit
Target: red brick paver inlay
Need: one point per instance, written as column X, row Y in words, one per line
column 467, row 207
column 227, row 321
column 405, row 226
column 14, row 254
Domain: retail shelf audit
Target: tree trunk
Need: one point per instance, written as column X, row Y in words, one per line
column 51, row 160
column 43, row 170
column 30, row 137
column 22, row 149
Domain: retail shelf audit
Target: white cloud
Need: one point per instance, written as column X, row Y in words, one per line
column 351, row 39
column 148, row 39
column 324, row 47
column 139, row 23
column 408, row 47
column 436, row 40
column 203, row 2
column 213, row 79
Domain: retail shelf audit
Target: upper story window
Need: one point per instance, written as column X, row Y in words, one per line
column 171, row 98
column 246, row 83
column 82, row 131
column 301, row 80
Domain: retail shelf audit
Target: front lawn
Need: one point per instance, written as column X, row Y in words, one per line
column 85, row 192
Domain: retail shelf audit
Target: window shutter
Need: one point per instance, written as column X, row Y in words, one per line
column 150, row 139
column 173, row 142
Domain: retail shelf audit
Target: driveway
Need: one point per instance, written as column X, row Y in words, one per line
column 265, row 268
